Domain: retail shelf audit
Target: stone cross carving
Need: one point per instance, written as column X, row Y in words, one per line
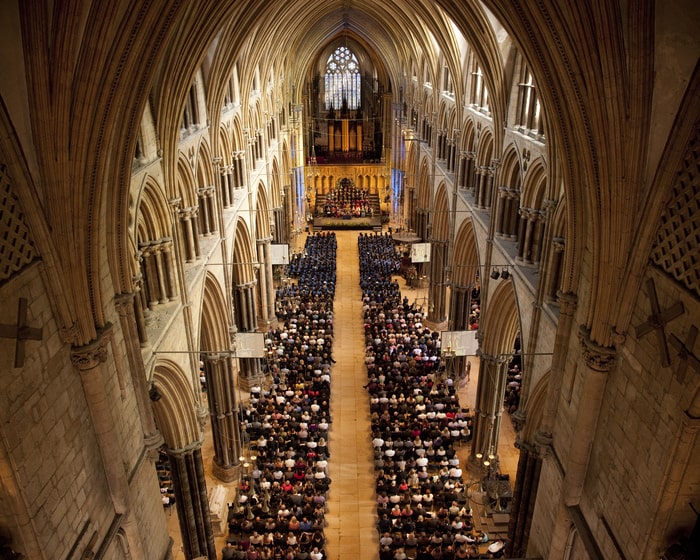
column 685, row 353
column 20, row 332
column 658, row 320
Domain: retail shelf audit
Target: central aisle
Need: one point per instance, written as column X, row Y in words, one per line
column 351, row 532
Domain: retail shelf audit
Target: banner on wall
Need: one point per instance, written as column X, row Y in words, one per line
column 279, row 253
column 459, row 343
column 420, row 252
column 250, row 345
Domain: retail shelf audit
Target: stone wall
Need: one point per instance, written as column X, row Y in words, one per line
column 53, row 472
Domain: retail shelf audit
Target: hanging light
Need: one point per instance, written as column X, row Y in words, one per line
column 505, row 274
column 495, row 274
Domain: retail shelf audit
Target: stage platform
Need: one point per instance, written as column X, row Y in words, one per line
column 322, row 223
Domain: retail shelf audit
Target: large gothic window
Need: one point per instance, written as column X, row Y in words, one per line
column 342, row 79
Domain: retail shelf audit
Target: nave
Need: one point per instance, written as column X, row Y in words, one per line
column 351, row 517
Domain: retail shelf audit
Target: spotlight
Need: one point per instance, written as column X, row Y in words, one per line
column 495, row 274
column 154, row 394
column 505, row 274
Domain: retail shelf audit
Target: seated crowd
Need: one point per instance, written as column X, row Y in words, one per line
column 416, row 421
column 165, row 479
column 281, row 503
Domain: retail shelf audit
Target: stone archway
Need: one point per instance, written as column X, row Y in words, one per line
column 221, row 371
column 498, row 330
column 174, row 408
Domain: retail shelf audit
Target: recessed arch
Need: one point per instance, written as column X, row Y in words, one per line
column 174, row 405
column 501, row 321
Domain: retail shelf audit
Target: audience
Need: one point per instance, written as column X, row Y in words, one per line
column 416, row 420
column 280, row 508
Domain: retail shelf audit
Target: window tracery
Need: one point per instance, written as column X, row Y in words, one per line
column 342, row 80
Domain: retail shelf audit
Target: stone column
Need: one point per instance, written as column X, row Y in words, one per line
column 471, row 172
column 482, row 185
column 225, row 427
column 150, row 269
column 126, row 305
column 512, row 214
column 140, row 307
column 250, row 372
column 231, row 182
column 161, row 272
column 208, row 218
column 487, row 194
column 462, row 175
column 524, row 496
column 90, row 360
column 241, row 169
column 191, row 502
column 188, row 233
column 533, row 454
column 270, row 284
column 280, row 224
column 501, row 214
column 261, row 144
column 169, row 266
column 437, row 295
column 594, row 365
column 262, row 284
column 522, row 228
column 246, row 318
column 537, row 236
column 225, row 188
column 489, row 405
column 554, row 269
column 460, row 297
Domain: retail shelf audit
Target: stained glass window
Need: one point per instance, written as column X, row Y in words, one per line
column 342, row 80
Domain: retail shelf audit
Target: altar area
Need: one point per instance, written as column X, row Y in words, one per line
column 347, row 206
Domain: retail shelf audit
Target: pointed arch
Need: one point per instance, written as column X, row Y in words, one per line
column 441, row 216
column 466, row 255
column 214, row 318
column 501, row 327
column 535, row 185
column 243, row 256
column 186, row 188
column 262, row 214
column 174, row 405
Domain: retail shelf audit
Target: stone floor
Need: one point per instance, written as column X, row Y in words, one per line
column 351, row 502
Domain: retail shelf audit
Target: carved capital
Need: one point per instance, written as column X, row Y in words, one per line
column 124, row 303
column 93, row 354
column 597, row 358
column 558, row 244
column 567, row 302
column 543, row 441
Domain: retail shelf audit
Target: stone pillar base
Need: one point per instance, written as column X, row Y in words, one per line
column 225, row 474
column 247, row 383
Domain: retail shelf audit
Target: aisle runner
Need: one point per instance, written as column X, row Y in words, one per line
column 282, row 500
column 416, row 420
